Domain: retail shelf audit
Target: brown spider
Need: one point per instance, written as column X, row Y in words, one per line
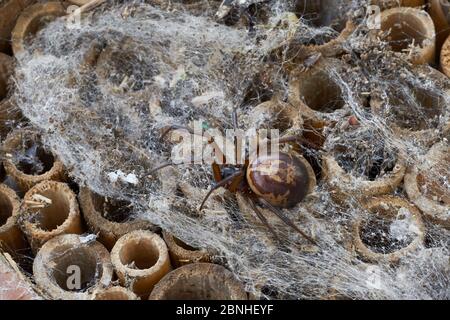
column 278, row 189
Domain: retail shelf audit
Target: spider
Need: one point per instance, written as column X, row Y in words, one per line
column 274, row 189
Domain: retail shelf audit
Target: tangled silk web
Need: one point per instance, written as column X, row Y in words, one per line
column 101, row 93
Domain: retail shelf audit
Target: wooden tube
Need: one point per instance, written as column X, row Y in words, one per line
column 314, row 92
column 140, row 259
column 325, row 13
column 370, row 234
column 108, row 218
column 181, row 253
column 424, row 184
column 199, row 281
column 71, row 267
column 33, row 19
column 11, row 237
column 410, row 31
column 24, row 145
column 49, row 209
column 439, row 11
column 114, row 293
column 9, row 12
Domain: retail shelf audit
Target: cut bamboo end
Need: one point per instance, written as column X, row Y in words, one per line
column 110, row 219
column 314, row 92
column 410, row 31
column 11, row 237
column 114, row 293
column 387, row 4
column 6, row 70
column 182, row 253
column 9, row 12
column 49, row 209
column 438, row 11
column 140, row 259
column 18, row 147
column 326, row 13
column 445, row 57
column 199, row 281
column 276, row 114
column 345, row 186
column 392, row 229
column 417, row 113
column 33, row 19
column 70, row 268
column 428, row 191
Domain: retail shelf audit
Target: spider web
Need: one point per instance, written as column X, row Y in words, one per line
column 101, row 93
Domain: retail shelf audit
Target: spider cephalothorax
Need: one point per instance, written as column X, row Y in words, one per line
column 275, row 181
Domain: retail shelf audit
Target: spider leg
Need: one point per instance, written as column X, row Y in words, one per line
column 234, row 117
column 298, row 139
column 221, row 184
column 262, row 218
column 216, row 172
column 167, row 129
column 164, row 165
column 286, row 220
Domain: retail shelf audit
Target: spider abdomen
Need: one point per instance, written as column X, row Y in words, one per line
column 283, row 180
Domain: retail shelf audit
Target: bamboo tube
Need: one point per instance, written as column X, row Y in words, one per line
column 6, row 71
column 425, row 184
column 386, row 4
column 49, row 209
column 314, row 92
column 140, row 259
column 199, row 281
column 276, row 114
column 325, row 13
column 182, row 253
column 410, row 31
column 445, row 58
column 440, row 13
column 419, row 114
column 388, row 210
column 11, row 237
column 109, row 219
column 9, row 12
column 33, row 19
column 345, row 186
column 114, row 293
column 22, row 145
column 71, row 267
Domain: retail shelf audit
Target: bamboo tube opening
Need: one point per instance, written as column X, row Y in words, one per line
column 410, row 29
column 199, row 281
column 140, row 259
column 68, row 267
column 84, row 259
column 28, row 162
column 50, row 209
column 141, row 254
column 182, row 253
column 54, row 215
column 109, row 218
column 113, row 210
column 422, row 112
column 33, row 19
column 427, row 184
column 392, row 228
column 322, row 13
column 316, row 91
